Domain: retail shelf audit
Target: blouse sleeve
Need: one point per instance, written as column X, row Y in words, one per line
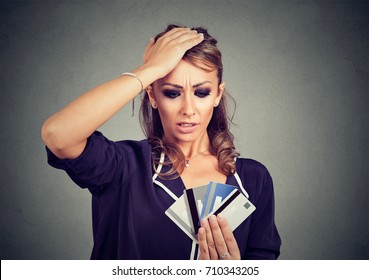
column 264, row 241
column 96, row 167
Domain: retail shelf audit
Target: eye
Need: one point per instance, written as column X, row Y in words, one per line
column 202, row 92
column 171, row 93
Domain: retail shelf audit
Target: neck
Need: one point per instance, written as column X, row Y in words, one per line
column 191, row 149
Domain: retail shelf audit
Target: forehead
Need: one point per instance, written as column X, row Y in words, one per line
column 188, row 73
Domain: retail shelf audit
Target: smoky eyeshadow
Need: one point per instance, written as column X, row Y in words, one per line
column 202, row 92
column 171, row 93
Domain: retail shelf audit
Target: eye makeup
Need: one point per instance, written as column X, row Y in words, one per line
column 173, row 93
column 203, row 92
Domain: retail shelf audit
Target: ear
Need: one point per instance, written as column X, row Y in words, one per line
column 220, row 92
column 151, row 95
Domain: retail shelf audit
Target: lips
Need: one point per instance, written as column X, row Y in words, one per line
column 187, row 127
column 186, row 124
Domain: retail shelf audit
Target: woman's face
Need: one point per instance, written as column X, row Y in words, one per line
column 185, row 99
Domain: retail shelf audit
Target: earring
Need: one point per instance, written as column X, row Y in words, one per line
column 215, row 104
column 154, row 106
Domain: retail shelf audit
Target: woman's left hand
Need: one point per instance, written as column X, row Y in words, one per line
column 216, row 240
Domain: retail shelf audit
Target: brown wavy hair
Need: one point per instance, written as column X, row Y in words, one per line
column 207, row 56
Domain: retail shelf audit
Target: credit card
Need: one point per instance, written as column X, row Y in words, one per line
column 215, row 195
column 235, row 209
column 195, row 200
column 179, row 213
column 204, row 201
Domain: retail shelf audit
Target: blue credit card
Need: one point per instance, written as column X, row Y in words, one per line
column 215, row 195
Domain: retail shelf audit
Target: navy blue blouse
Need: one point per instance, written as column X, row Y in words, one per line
column 129, row 204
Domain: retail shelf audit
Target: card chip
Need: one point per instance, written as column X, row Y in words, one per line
column 247, row 205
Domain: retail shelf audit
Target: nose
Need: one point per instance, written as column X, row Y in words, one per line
column 188, row 106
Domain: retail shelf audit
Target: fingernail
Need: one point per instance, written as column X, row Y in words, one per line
column 201, row 231
column 201, row 34
column 213, row 219
column 220, row 217
column 204, row 223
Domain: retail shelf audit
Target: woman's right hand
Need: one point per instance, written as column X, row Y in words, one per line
column 164, row 54
column 66, row 132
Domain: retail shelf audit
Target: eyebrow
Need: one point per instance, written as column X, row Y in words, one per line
column 180, row 87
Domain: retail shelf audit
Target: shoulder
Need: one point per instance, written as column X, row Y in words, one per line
column 254, row 176
column 127, row 145
column 119, row 151
column 251, row 167
column 127, row 156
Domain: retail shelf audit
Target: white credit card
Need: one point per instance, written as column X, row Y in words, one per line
column 235, row 209
column 195, row 200
column 179, row 213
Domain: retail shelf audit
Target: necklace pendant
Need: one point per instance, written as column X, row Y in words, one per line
column 187, row 163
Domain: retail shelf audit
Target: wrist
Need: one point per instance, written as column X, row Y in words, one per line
column 147, row 74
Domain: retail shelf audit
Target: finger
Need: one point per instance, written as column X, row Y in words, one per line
column 209, row 240
column 190, row 37
column 203, row 246
column 175, row 30
column 173, row 34
column 192, row 41
column 171, row 38
column 181, row 36
column 220, row 244
column 187, row 40
column 228, row 237
column 148, row 47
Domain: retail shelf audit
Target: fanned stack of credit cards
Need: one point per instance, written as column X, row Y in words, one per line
column 204, row 201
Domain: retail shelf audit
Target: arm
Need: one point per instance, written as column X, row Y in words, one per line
column 65, row 133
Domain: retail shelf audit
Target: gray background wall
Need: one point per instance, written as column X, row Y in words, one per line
column 299, row 73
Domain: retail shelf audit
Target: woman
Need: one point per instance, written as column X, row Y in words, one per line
column 188, row 144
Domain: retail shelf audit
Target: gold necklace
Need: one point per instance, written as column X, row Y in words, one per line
column 187, row 161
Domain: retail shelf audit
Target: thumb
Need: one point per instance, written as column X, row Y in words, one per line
column 148, row 47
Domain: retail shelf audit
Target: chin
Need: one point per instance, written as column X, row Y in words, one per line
column 187, row 138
